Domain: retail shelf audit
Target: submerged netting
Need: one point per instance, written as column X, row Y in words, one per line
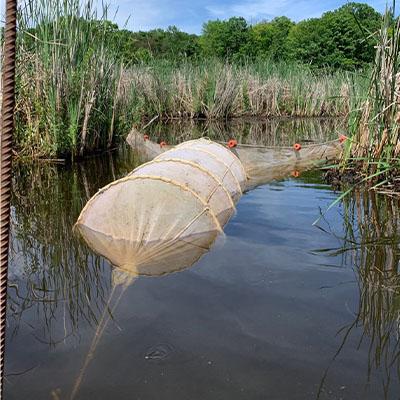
column 167, row 212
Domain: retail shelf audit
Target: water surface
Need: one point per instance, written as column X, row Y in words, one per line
column 266, row 132
column 278, row 309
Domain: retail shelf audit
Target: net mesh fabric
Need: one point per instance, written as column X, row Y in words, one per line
column 166, row 213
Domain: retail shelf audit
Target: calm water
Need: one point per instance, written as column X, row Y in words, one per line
column 274, row 132
column 278, row 309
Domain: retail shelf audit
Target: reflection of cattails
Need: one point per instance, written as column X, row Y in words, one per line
column 373, row 231
column 379, row 275
column 51, row 271
column 274, row 132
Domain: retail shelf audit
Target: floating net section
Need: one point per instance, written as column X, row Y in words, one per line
column 262, row 164
column 168, row 212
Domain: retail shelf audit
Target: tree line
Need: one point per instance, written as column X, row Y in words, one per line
column 338, row 39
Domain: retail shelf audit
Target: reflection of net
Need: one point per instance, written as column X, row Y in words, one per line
column 166, row 213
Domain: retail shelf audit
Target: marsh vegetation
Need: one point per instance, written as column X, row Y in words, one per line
column 373, row 149
column 83, row 82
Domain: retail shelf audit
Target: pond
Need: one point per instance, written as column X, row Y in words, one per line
column 278, row 309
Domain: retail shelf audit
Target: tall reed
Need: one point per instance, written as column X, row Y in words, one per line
column 375, row 145
column 215, row 90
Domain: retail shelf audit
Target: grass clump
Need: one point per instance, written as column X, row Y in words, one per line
column 68, row 80
column 374, row 148
column 213, row 89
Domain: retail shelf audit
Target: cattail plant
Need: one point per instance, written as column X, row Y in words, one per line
column 68, row 79
column 214, row 89
column 375, row 146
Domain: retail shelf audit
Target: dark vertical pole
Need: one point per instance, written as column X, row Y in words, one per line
column 6, row 134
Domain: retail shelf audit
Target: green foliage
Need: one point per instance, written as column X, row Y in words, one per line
column 67, row 79
column 305, row 41
column 171, row 44
column 339, row 39
column 225, row 39
column 269, row 39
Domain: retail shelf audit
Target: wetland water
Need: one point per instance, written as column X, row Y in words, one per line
column 278, row 309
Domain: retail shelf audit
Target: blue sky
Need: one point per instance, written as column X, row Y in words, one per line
column 190, row 15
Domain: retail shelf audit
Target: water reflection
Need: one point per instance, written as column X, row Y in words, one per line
column 372, row 240
column 51, row 272
column 273, row 132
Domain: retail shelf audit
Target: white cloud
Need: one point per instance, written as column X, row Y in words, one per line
column 189, row 15
column 249, row 9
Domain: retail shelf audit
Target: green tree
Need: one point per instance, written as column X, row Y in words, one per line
column 225, row 39
column 170, row 44
column 339, row 39
column 269, row 39
column 305, row 42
